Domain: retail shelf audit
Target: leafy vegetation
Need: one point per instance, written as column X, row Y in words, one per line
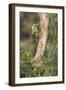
column 49, row 67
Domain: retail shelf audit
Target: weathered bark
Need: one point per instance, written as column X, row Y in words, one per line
column 43, row 34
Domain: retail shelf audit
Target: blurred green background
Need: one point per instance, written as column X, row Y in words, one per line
column 49, row 66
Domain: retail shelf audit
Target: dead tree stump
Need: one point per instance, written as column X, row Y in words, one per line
column 43, row 34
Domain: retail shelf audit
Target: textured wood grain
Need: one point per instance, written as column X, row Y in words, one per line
column 42, row 37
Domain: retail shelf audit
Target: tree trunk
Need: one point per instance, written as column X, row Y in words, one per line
column 43, row 34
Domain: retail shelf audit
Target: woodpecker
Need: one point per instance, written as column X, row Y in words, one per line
column 35, row 33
